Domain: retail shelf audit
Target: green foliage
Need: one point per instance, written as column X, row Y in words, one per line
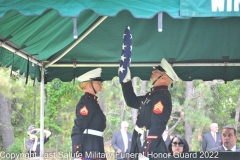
column 17, row 147
column 112, row 93
column 178, row 92
column 179, row 129
column 210, row 102
column 14, row 89
column 59, row 143
column 60, row 105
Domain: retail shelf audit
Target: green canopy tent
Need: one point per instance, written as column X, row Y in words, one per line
column 198, row 48
column 37, row 38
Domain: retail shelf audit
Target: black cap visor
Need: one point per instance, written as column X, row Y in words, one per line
column 97, row 79
column 159, row 68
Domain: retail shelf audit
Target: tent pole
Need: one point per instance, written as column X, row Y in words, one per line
column 19, row 53
column 229, row 64
column 77, row 41
column 42, row 115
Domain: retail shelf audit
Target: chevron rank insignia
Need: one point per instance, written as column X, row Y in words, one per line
column 158, row 107
column 84, row 111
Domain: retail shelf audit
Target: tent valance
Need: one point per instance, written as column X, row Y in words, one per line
column 73, row 8
column 142, row 9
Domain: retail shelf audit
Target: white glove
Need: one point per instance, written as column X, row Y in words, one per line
column 143, row 158
column 119, row 151
column 128, row 76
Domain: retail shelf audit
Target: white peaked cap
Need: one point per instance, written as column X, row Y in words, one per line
column 94, row 74
column 169, row 70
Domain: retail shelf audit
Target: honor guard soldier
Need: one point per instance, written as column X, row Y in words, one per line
column 90, row 121
column 154, row 110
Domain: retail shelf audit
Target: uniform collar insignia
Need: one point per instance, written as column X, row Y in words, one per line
column 158, row 88
column 91, row 96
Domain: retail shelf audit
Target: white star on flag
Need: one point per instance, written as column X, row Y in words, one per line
column 123, row 46
column 123, row 57
column 121, row 69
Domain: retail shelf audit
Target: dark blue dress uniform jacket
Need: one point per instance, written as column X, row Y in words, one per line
column 88, row 116
column 150, row 117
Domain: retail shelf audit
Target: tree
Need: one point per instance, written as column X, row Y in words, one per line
column 237, row 112
column 230, row 102
column 5, row 114
column 5, row 122
column 116, row 109
column 176, row 121
column 188, row 125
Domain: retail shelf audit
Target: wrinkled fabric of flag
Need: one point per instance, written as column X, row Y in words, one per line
column 126, row 54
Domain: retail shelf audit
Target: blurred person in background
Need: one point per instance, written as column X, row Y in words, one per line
column 211, row 139
column 121, row 141
column 33, row 143
column 178, row 145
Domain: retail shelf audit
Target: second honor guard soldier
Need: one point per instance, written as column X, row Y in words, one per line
column 154, row 110
column 90, row 121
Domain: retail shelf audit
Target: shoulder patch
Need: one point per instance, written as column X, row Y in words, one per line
column 158, row 107
column 84, row 111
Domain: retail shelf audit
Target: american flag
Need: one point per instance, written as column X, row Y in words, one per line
column 126, row 54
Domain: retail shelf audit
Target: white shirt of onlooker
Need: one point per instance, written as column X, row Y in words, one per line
column 125, row 139
column 233, row 149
